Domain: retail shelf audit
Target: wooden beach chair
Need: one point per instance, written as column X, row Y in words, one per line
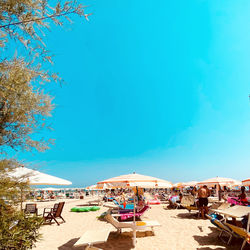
column 54, row 213
column 30, row 208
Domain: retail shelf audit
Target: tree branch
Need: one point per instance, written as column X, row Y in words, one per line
column 38, row 19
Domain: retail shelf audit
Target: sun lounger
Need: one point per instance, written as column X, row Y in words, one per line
column 223, row 228
column 235, row 211
column 212, row 199
column 130, row 215
column 110, row 198
column 221, row 207
column 125, row 210
column 188, row 202
column 111, row 205
column 127, row 206
column 237, row 201
column 91, row 237
column 138, row 225
column 164, row 197
column 97, row 202
column 242, row 232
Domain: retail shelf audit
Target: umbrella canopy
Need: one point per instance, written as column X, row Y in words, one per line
column 220, row 181
column 189, row 184
column 135, row 180
column 246, row 182
column 178, row 185
column 93, row 187
column 35, row 177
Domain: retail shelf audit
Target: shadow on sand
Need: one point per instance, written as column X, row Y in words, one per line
column 69, row 244
column 209, row 248
column 212, row 239
column 115, row 241
column 187, row 215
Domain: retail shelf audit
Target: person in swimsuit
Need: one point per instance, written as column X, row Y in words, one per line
column 243, row 196
column 203, row 194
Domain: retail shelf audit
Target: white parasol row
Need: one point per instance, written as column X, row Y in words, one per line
column 222, row 181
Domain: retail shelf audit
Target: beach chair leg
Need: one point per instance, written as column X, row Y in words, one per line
column 220, row 236
column 62, row 219
column 243, row 244
column 48, row 219
column 221, row 232
column 56, row 221
column 230, row 238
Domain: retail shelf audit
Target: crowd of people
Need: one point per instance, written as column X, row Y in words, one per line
column 202, row 194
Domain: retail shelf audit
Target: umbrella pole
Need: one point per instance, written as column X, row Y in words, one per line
column 134, row 230
column 134, row 210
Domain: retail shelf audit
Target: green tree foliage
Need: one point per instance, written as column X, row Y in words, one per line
column 24, row 107
column 24, row 103
column 17, row 229
column 27, row 20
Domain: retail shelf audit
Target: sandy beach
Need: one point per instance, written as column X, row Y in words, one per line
column 179, row 230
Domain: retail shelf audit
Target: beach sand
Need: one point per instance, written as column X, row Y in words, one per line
column 179, row 230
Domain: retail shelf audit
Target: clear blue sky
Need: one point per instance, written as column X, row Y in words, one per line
column 160, row 88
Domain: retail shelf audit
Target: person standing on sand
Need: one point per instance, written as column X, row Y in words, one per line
column 203, row 194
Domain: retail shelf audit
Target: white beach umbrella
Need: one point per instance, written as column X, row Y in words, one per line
column 178, row 185
column 246, row 182
column 135, row 180
column 189, row 184
column 219, row 181
column 93, row 187
column 35, row 177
